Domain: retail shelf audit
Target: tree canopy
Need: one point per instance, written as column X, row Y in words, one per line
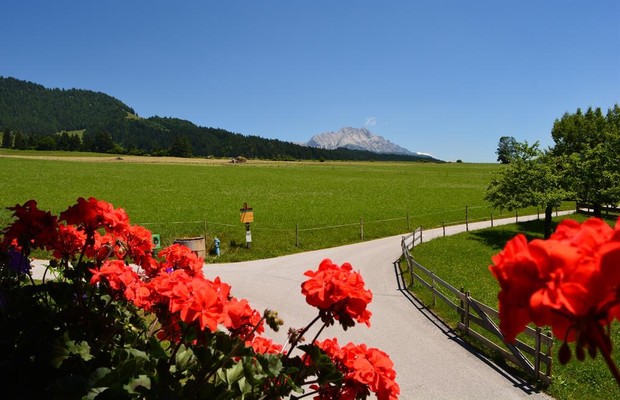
column 583, row 166
column 108, row 125
column 533, row 178
column 506, row 149
column 589, row 144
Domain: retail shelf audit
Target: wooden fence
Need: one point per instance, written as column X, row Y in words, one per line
column 588, row 208
column 476, row 317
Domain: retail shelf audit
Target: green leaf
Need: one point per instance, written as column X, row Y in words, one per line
column 141, row 381
column 98, row 376
column 94, row 392
column 155, row 349
column 64, row 348
column 235, row 373
column 184, row 358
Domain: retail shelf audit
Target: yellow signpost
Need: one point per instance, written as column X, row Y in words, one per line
column 247, row 216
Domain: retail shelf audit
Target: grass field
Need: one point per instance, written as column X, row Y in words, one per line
column 462, row 260
column 316, row 204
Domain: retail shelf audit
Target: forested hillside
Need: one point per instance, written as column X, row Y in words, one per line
column 32, row 116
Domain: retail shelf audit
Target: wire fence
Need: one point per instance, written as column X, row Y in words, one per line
column 309, row 237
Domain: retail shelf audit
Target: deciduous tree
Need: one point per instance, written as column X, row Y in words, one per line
column 533, row 178
column 589, row 144
column 506, row 149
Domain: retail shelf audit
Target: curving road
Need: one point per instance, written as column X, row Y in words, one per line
column 430, row 361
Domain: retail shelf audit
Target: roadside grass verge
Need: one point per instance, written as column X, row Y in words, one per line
column 462, row 260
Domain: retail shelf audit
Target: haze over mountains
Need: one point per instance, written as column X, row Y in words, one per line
column 357, row 139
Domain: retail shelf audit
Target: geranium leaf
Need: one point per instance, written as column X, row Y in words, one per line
column 142, row 380
column 64, row 347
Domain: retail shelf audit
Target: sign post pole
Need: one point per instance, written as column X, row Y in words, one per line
column 247, row 217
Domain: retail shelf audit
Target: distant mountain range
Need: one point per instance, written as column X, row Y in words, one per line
column 35, row 117
column 358, row 139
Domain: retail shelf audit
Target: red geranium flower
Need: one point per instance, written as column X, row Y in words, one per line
column 339, row 293
column 263, row 345
column 178, row 256
column 69, row 242
column 363, row 369
column 570, row 282
column 92, row 214
column 516, row 270
column 240, row 318
column 33, row 228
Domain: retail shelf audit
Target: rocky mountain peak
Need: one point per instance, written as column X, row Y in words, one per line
column 356, row 139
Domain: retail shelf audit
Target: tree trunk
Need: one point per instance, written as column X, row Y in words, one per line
column 598, row 210
column 548, row 218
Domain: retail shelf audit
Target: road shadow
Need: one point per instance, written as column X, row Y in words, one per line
column 510, row 374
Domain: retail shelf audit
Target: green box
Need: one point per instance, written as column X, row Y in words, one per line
column 156, row 241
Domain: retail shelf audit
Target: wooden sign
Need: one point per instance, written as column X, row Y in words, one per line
column 247, row 215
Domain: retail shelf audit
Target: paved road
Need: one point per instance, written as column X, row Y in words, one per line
column 431, row 362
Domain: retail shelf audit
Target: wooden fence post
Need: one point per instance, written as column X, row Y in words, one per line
column 516, row 216
column 537, row 354
column 408, row 222
column 206, row 252
column 491, row 220
column 467, row 295
column 411, row 268
column 434, row 289
column 462, row 306
column 443, row 224
column 296, row 235
column 362, row 229
column 466, row 219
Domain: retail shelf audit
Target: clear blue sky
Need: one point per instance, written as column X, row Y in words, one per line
column 444, row 77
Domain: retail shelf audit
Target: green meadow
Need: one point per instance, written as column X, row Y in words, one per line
column 318, row 204
column 298, row 206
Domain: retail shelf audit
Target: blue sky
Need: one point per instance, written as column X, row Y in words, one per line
column 443, row 77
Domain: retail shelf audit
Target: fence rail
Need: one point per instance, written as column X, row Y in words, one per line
column 589, row 208
column 477, row 317
column 299, row 234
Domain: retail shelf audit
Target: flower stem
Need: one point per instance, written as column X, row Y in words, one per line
column 201, row 381
column 605, row 345
column 299, row 336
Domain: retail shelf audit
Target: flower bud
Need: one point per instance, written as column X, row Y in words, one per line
column 271, row 317
column 580, row 353
column 294, row 335
column 564, row 355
